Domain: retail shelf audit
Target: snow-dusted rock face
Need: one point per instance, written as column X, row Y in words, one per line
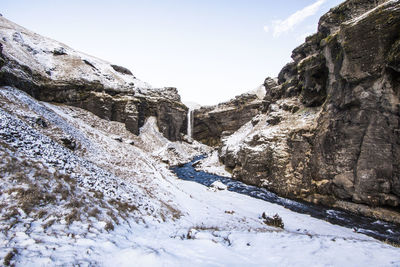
column 212, row 122
column 330, row 132
column 51, row 71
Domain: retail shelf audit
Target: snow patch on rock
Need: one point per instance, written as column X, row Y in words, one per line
column 212, row 164
column 218, row 185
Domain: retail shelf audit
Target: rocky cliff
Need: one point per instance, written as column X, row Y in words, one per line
column 212, row 122
column 330, row 128
column 51, row 71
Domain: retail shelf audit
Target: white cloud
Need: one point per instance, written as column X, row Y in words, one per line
column 281, row 26
column 266, row 28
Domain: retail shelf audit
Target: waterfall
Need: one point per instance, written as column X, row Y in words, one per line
column 189, row 124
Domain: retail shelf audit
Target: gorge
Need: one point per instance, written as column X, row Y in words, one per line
column 91, row 156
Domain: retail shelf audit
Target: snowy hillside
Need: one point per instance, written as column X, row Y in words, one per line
column 58, row 62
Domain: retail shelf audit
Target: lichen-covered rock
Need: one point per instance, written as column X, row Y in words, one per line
column 275, row 156
column 313, row 75
column 394, row 56
column 51, row 71
column 350, row 9
column 338, row 139
column 356, row 145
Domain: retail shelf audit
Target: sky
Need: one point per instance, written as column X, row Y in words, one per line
column 211, row 50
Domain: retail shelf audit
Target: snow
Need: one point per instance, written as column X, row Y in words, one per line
column 256, row 94
column 233, row 143
column 356, row 20
column 218, row 185
column 192, row 105
column 258, row 91
column 172, row 153
column 211, row 164
column 112, row 200
column 269, row 134
column 37, row 52
column 180, row 223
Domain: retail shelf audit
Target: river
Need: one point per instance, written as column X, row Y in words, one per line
column 375, row 228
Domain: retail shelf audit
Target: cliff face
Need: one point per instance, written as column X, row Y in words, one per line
column 51, row 71
column 330, row 131
column 212, row 122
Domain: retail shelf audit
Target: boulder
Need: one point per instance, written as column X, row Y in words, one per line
column 218, row 185
column 122, row 70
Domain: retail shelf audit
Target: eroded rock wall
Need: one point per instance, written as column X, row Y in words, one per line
column 213, row 122
column 330, row 131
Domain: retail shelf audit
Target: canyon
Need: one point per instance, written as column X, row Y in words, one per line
column 90, row 155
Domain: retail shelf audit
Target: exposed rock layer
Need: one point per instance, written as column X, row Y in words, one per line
column 213, row 122
column 330, row 131
column 51, row 71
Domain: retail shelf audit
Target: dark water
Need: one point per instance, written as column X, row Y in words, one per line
column 372, row 227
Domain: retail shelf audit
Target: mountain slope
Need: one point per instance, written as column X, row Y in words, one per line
column 51, row 71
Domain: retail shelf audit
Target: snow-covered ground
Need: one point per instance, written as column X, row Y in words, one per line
column 211, row 164
column 131, row 210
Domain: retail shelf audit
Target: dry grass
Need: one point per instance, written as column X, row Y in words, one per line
column 112, row 215
column 75, row 203
column 41, row 214
column 275, row 221
column 35, row 190
column 9, row 257
column 97, row 194
column 48, row 224
column 31, row 198
column 176, row 214
column 41, row 194
column 94, row 212
column 109, row 226
column 74, row 215
column 62, row 191
column 12, row 213
column 393, row 244
column 123, row 207
column 206, row 228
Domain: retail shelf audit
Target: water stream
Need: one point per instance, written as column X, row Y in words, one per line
column 378, row 229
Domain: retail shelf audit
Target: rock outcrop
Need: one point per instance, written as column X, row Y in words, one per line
column 212, row 122
column 330, row 132
column 51, row 71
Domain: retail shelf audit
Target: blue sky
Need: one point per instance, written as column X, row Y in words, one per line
column 211, row 50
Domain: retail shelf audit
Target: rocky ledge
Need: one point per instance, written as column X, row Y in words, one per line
column 212, row 122
column 51, row 71
column 330, row 129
